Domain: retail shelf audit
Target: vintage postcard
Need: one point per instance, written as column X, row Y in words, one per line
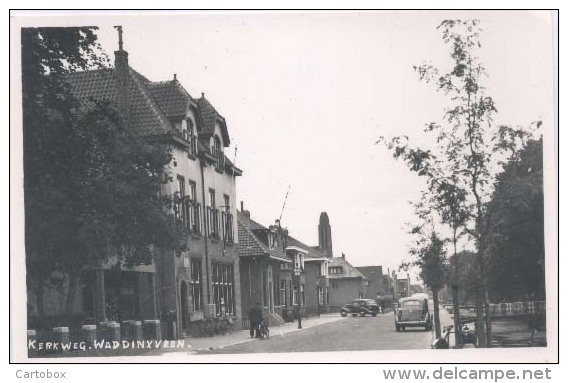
column 322, row 186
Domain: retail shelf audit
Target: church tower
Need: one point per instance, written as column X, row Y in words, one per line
column 324, row 231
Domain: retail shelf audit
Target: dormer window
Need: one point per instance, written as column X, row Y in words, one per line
column 217, row 151
column 272, row 240
column 324, row 269
column 336, row 270
column 299, row 261
column 191, row 136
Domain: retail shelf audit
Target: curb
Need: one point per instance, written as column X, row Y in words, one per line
column 194, row 351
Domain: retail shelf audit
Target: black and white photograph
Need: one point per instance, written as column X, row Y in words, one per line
column 302, row 186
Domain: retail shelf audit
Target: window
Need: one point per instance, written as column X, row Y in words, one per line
column 327, row 295
column 217, row 151
column 272, row 240
column 194, row 209
column 294, row 295
column 212, row 216
column 191, row 137
column 283, row 297
column 227, row 220
column 320, row 295
column 303, row 294
column 223, row 289
column 179, row 207
column 323, row 269
column 336, row 270
column 196, row 289
column 181, row 185
column 299, row 261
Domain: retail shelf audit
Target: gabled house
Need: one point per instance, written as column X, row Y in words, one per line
column 265, row 269
column 346, row 282
column 280, row 272
column 203, row 281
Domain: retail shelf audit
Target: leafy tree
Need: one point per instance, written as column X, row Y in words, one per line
column 516, row 249
column 90, row 192
column 430, row 256
column 460, row 167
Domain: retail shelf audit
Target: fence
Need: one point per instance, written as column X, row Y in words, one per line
column 517, row 308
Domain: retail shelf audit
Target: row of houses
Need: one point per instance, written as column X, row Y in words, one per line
column 232, row 261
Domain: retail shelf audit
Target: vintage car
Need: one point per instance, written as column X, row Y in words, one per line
column 362, row 307
column 412, row 312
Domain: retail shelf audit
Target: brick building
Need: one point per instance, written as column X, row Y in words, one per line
column 269, row 257
column 183, row 287
column 346, row 282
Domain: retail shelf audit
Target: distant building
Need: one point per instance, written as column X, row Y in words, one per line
column 401, row 286
column 346, row 282
column 377, row 282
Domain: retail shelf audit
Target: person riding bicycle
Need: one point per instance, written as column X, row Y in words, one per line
column 255, row 319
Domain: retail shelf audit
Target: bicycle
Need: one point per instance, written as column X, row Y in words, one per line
column 444, row 341
column 263, row 330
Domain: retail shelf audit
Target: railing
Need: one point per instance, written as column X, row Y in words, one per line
column 212, row 222
column 189, row 213
column 227, row 226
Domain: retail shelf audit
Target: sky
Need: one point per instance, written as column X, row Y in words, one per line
column 306, row 95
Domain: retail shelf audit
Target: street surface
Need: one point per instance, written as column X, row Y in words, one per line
column 350, row 334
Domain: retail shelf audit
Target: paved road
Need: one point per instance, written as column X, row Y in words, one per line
column 351, row 334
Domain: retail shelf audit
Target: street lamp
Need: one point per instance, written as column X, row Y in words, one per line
column 297, row 273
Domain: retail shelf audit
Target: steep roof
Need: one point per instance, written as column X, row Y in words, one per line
column 145, row 114
column 208, row 117
column 311, row 252
column 171, row 97
column 348, row 270
column 250, row 245
column 250, row 226
column 371, row 271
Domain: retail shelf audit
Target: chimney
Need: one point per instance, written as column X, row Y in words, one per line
column 343, row 255
column 242, row 206
column 122, row 80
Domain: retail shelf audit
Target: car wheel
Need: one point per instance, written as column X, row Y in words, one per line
column 403, row 328
column 343, row 313
column 374, row 314
column 362, row 313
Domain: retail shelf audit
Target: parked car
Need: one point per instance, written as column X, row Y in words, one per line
column 413, row 312
column 362, row 307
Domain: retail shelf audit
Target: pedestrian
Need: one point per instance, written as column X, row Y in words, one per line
column 255, row 317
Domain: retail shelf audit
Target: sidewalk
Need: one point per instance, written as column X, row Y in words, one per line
column 243, row 336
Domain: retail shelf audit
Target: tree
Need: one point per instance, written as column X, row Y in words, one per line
column 516, row 244
column 469, row 148
column 430, row 256
column 91, row 193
